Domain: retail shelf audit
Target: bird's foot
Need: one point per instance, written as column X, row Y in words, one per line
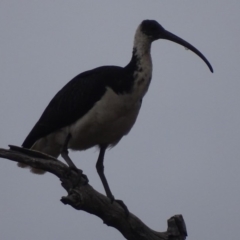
column 80, row 175
column 121, row 204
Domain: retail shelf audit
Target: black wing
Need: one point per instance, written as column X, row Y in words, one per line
column 73, row 101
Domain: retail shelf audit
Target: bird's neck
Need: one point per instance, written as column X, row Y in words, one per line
column 141, row 63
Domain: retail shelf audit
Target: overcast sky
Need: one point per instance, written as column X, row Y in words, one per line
column 182, row 155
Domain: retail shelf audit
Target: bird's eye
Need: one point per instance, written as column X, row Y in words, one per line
column 150, row 27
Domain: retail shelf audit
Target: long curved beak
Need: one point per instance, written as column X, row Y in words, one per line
column 171, row 37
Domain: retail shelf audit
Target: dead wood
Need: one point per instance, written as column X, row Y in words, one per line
column 82, row 196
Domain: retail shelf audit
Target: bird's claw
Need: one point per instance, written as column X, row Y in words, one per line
column 80, row 175
column 121, row 203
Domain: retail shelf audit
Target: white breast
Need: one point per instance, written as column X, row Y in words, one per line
column 107, row 122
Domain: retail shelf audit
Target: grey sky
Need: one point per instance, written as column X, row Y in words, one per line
column 182, row 156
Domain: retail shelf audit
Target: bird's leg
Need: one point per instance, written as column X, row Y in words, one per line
column 65, row 156
column 64, row 152
column 100, row 170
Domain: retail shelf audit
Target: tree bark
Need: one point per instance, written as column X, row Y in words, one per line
column 82, row 196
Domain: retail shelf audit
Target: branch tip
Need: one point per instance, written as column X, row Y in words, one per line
column 177, row 227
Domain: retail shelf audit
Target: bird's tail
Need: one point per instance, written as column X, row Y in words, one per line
column 33, row 170
column 44, row 146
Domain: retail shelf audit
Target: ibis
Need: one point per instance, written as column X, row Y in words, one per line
column 100, row 106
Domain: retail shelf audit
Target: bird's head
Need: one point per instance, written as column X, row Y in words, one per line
column 154, row 31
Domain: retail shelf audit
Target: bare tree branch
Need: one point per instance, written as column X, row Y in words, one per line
column 82, row 196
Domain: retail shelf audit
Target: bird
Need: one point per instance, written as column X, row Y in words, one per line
column 100, row 106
